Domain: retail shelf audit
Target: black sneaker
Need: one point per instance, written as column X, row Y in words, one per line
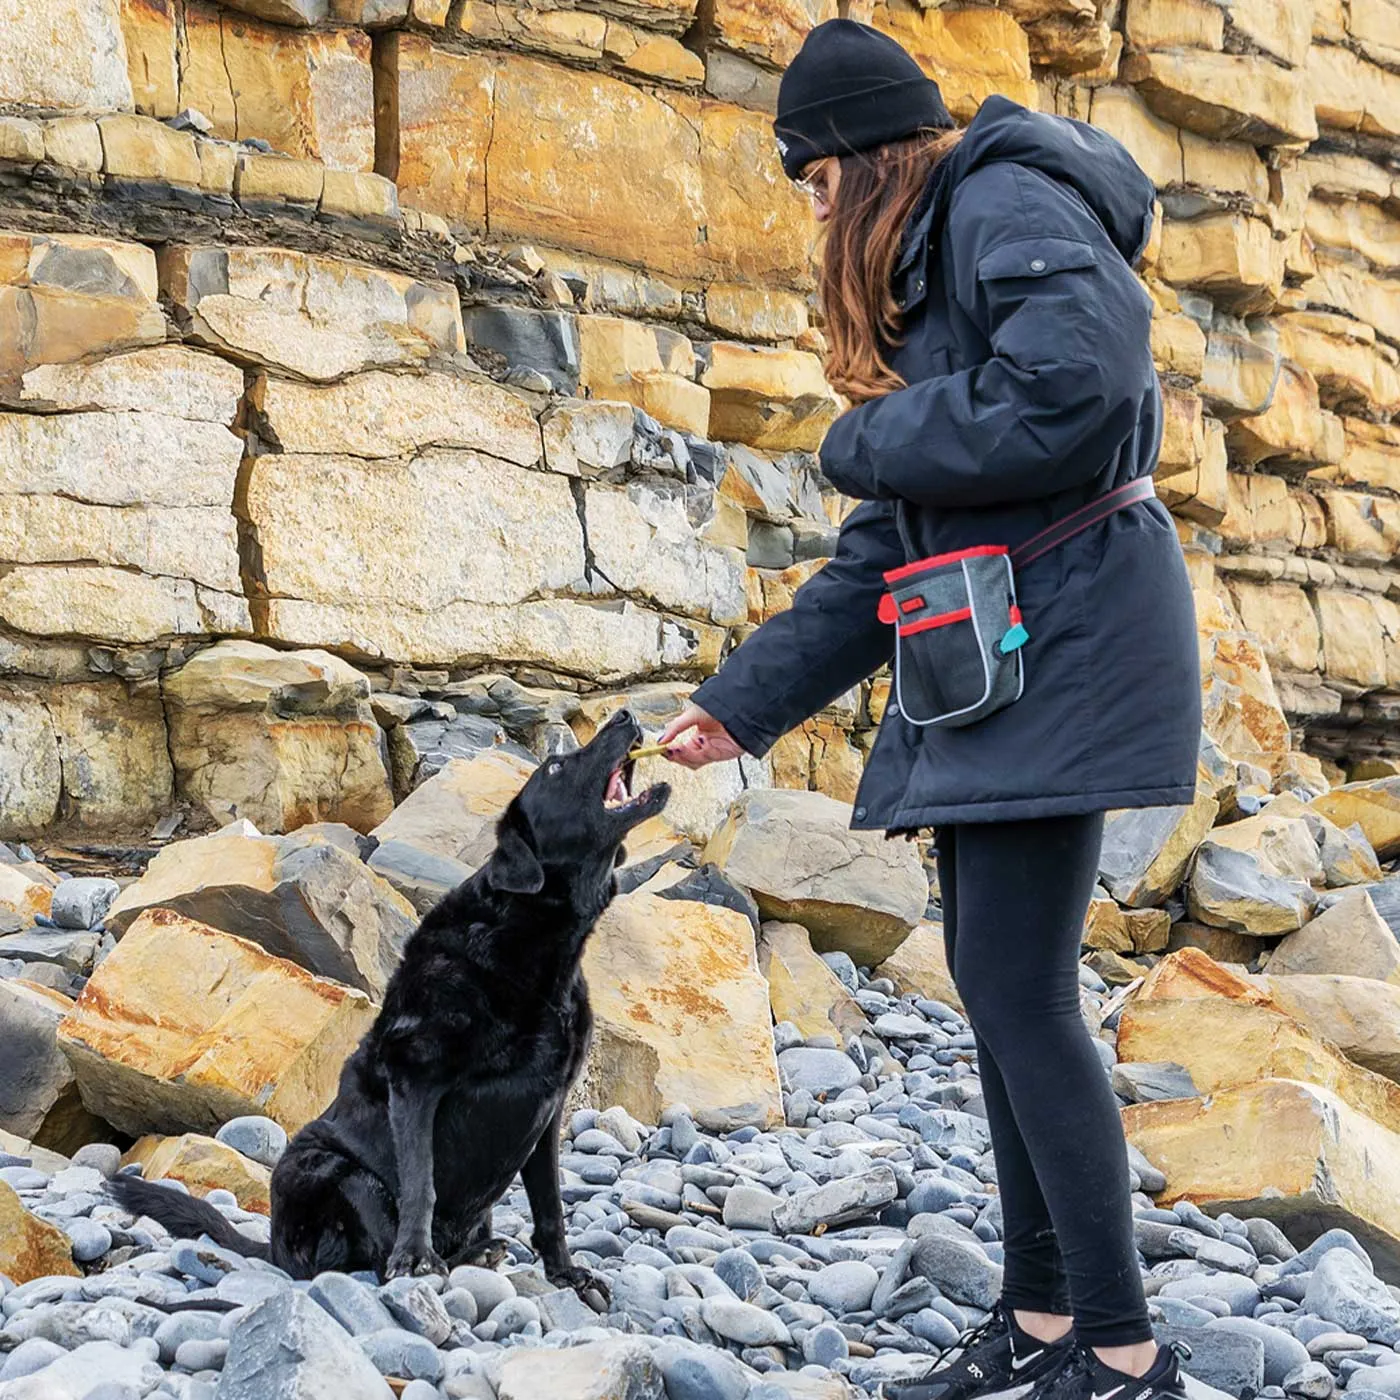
column 997, row 1358
column 1082, row 1376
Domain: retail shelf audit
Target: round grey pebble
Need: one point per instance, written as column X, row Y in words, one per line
column 202, row 1355
column 395, row 1352
column 101, row 1156
column 490, row 1289
column 825, row 1345
column 844, row 1288
column 29, row 1357
column 90, row 1240
column 257, row 1138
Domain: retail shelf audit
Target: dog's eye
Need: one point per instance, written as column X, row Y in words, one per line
column 553, row 768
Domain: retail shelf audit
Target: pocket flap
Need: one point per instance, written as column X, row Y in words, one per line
column 1035, row 257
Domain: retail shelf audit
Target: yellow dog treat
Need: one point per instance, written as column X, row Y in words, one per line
column 656, row 750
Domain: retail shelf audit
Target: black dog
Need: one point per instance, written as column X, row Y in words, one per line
column 460, row 1082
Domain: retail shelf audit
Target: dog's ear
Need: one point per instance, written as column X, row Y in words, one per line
column 515, row 868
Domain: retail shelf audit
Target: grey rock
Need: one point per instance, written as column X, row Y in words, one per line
column 564, row 1310
column 104, row 1157
column 83, row 903
column 1384, row 1380
column 1238, row 1294
column 847, row 1199
column 844, row 968
column 845, row 1287
column 750, row 1208
column 818, row 1071
column 396, row 1352
column 1267, row 1238
column 739, row 1271
column 352, row 1303
column 825, row 1345
column 1143, row 1082
column 1308, row 1259
column 184, row 1327
column 422, row 877
column 1283, row 1353
column 287, row 1348
column 29, row 1357
column 90, row 1240
column 258, row 1138
column 741, row 1322
column 417, row 1308
column 1217, row 1254
column 1228, row 1361
column 489, row 1288
column 73, row 1375
column 1343, row 1290
column 961, row 1271
column 693, row 1372
column 202, row 1355
column 1313, row 1381
column 545, row 341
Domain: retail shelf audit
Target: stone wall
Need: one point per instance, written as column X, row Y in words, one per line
column 474, row 344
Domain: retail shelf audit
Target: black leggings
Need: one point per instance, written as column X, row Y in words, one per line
column 1014, row 899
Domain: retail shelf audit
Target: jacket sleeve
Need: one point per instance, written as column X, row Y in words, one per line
column 1068, row 329
column 826, row 642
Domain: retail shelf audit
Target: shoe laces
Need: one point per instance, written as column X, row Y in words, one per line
column 973, row 1336
column 1066, row 1376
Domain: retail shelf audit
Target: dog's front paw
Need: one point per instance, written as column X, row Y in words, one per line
column 414, row 1260
column 583, row 1282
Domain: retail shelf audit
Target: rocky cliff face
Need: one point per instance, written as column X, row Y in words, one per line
column 321, row 320
column 392, row 389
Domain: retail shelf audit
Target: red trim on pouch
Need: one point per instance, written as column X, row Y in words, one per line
column 941, row 620
column 977, row 552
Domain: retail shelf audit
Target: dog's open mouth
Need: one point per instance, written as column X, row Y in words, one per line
column 619, row 796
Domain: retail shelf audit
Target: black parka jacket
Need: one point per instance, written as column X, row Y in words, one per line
column 1031, row 390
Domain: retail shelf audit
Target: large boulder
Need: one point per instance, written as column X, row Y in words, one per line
column 920, row 966
column 1374, row 806
column 681, row 979
column 1242, row 891
column 303, row 897
column 1226, row 1031
column 204, row 1165
column 802, row 988
column 1256, row 875
column 281, row 738
column 1146, row 850
column 1359, row 1015
column 30, row 1248
column 853, row 891
column 454, row 813
column 183, row 1027
column 39, row 1097
column 1290, row 1152
column 1349, row 938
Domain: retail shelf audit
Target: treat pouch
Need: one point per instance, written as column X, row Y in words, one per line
column 958, row 636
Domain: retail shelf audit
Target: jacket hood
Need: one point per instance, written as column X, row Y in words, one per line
column 1086, row 159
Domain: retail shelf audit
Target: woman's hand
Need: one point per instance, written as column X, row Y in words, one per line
column 710, row 743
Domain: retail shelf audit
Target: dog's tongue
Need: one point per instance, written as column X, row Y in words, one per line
column 617, row 788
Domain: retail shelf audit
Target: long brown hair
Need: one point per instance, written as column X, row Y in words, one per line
column 877, row 193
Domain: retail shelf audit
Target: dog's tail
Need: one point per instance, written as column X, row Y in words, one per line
column 186, row 1217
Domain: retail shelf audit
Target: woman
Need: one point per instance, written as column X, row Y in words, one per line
column 983, row 319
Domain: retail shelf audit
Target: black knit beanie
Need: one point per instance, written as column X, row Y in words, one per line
column 849, row 89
